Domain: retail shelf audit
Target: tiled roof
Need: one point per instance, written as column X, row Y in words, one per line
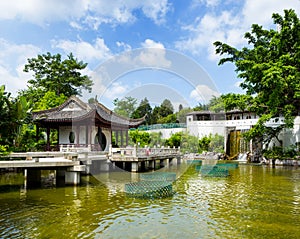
column 74, row 110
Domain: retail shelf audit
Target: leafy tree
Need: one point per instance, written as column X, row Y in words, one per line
column 234, row 101
column 172, row 118
column 136, row 136
column 212, row 143
column 14, row 112
column 156, row 139
column 187, row 143
column 125, row 107
column 180, row 107
column 216, row 104
column 174, row 140
column 204, row 143
column 50, row 100
column 51, row 73
column 181, row 115
column 166, row 108
column 200, row 107
column 143, row 109
column 270, row 67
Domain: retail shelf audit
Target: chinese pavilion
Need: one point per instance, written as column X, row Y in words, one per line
column 85, row 125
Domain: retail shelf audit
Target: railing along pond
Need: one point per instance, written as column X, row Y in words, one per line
column 144, row 152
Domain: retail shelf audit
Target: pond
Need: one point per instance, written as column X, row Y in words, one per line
column 252, row 202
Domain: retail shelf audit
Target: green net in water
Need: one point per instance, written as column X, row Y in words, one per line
column 149, row 189
column 213, row 171
column 158, row 176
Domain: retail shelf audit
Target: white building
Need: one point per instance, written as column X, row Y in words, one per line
column 232, row 124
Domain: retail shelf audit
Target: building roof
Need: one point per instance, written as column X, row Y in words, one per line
column 75, row 110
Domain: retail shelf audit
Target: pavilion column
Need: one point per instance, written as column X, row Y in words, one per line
column 126, row 136
column 117, row 137
column 77, row 135
column 89, row 134
column 48, row 139
column 122, row 138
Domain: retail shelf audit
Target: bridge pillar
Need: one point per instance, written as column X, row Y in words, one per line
column 33, row 178
column 152, row 164
column 72, row 178
column 60, row 177
column 104, row 166
column 134, row 167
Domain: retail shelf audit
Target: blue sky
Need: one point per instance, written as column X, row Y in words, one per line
column 104, row 31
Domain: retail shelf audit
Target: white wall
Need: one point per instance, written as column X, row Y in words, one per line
column 64, row 132
column 167, row 133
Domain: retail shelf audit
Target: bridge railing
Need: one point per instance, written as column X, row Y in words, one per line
column 142, row 152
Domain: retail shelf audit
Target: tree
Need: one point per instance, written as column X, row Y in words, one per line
column 50, row 100
column 270, row 68
column 136, row 136
column 51, row 73
column 14, row 112
column 125, row 107
column 143, row 109
column 232, row 101
column 166, row 108
column 216, row 104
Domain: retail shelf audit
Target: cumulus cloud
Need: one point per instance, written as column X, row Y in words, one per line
column 115, row 90
column 13, row 57
column 203, row 93
column 93, row 13
column 85, row 50
column 228, row 25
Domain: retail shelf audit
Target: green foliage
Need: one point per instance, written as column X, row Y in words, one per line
column 172, row 118
column 125, row 107
column 4, row 150
column 232, row 101
column 136, row 136
column 156, row 139
column 270, row 67
column 144, row 109
column 187, row 143
column 204, row 143
column 281, row 153
column 166, row 108
column 50, row 100
column 212, row 143
column 51, row 73
column 181, row 115
column 200, row 107
column 174, row 140
column 216, row 104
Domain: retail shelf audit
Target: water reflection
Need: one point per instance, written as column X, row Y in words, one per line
column 253, row 202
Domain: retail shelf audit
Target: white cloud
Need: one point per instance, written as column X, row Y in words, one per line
column 153, row 55
column 40, row 12
column 148, row 43
column 85, row 50
column 208, row 29
column 229, row 26
column 208, row 3
column 124, row 46
column 260, row 12
column 115, row 90
column 91, row 12
column 202, row 93
column 13, row 57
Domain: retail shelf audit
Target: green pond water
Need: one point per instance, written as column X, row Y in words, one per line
column 252, row 202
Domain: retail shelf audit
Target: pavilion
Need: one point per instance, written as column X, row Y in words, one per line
column 89, row 125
